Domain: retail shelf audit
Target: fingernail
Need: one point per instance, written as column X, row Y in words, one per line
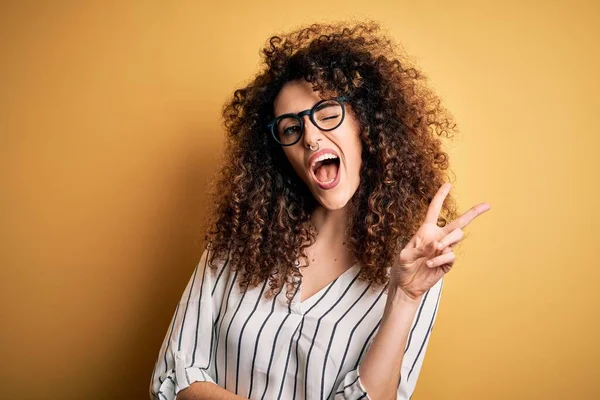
column 430, row 263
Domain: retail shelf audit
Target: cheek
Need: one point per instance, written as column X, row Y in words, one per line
column 355, row 142
column 300, row 170
column 296, row 161
column 357, row 155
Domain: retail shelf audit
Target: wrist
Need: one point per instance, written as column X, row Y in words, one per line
column 398, row 296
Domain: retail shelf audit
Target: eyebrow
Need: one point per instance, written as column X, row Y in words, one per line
column 325, row 105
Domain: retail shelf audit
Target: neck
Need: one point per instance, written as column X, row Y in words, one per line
column 331, row 225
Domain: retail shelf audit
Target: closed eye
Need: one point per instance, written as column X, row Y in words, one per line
column 331, row 117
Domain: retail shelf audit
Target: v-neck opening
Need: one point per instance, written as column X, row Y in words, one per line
column 322, row 290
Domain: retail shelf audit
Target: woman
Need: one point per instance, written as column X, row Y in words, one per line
column 316, row 283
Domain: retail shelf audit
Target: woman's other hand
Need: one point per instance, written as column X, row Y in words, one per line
column 411, row 271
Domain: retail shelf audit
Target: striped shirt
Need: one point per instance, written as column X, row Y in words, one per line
column 264, row 348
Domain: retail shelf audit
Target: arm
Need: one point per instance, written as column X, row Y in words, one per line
column 380, row 369
column 185, row 354
column 207, row 390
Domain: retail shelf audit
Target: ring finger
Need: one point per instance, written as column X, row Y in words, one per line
column 446, row 258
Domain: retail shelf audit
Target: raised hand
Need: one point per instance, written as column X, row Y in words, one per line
column 431, row 244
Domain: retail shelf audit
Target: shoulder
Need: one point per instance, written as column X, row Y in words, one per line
column 214, row 266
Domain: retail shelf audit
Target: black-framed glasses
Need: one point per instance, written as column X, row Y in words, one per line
column 327, row 114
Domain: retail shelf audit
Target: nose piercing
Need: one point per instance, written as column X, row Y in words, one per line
column 310, row 146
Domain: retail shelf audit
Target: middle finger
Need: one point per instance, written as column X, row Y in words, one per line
column 451, row 238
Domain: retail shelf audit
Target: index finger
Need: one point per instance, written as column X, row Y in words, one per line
column 467, row 217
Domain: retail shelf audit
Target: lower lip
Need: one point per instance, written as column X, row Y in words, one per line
column 327, row 186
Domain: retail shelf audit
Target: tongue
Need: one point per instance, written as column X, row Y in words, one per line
column 326, row 172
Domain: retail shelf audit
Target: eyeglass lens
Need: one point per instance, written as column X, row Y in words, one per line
column 327, row 116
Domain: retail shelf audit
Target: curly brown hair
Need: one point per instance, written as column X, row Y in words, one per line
column 260, row 209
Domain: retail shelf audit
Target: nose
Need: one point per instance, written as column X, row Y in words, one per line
column 311, row 132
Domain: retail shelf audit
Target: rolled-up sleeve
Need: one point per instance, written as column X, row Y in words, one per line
column 185, row 353
column 351, row 387
column 418, row 338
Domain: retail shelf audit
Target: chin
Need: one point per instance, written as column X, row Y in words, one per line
column 335, row 201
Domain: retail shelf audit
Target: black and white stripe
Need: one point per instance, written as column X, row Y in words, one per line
column 268, row 349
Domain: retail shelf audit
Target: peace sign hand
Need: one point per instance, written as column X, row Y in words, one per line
column 411, row 271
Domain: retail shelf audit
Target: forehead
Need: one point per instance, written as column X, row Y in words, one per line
column 294, row 97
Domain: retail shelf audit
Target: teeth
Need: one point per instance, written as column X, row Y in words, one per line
column 323, row 157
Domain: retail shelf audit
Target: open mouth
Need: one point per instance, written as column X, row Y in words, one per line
column 326, row 172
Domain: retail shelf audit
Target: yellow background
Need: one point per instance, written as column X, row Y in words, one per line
column 110, row 129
